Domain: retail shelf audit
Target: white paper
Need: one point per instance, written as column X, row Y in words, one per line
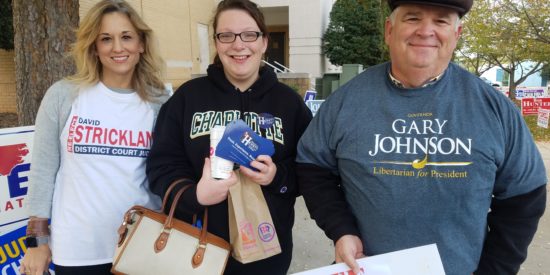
column 422, row 260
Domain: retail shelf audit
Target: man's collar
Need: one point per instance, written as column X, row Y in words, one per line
column 398, row 83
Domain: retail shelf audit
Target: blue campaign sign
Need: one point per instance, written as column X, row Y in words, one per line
column 314, row 105
column 15, row 155
column 519, row 93
column 15, row 152
column 12, row 250
column 531, row 92
column 242, row 145
column 309, row 95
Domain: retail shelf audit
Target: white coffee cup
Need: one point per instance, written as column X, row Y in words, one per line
column 219, row 167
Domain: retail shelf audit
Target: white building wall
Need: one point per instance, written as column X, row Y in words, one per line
column 534, row 80
column 308, row 20
column 273, row 3
column 491, row 74
column 276, row 16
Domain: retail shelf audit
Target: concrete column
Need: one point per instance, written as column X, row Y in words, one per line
column 308, row 20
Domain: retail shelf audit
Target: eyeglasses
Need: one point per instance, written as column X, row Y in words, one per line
column 229, row 37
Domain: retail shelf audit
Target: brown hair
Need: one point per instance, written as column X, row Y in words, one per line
column 245, row 5
column 149, row 70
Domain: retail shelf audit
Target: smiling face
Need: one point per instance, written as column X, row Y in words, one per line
column 241, row 60
column 118, row 47
column 422, row 37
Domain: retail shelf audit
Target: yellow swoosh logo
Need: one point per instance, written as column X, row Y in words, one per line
column 419, row 164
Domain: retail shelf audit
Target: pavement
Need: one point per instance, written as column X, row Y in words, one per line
column 312, row 249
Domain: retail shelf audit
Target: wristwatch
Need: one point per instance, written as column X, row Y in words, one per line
column 35, row 241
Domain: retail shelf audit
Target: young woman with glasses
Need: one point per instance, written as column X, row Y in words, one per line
column 237, row 86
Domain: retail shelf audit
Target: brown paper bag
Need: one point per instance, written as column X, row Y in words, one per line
column 251, row 230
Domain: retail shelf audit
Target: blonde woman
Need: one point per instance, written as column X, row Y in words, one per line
column 92, row 135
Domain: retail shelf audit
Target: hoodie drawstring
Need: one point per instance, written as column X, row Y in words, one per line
column 244, row 103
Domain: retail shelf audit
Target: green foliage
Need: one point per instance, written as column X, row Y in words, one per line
column 6, row 25
column 545, row 72
column 539, row 133
column 355, row 34
column 506, row 33
column 535, row 14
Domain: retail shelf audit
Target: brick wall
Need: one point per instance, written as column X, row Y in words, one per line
column 7, row 82
column 298, row 81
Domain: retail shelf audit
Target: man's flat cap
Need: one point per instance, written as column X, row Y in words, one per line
column 461, row 6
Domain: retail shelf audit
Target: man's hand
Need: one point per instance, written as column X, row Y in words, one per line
column 347, row 249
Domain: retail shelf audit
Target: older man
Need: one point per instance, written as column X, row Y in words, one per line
column 419, row 151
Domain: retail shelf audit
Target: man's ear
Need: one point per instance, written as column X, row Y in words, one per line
column 388, row 28
column 459, row 31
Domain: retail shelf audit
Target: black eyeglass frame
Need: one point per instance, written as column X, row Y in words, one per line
column 258, row 34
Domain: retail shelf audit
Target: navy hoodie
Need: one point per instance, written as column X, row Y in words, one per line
column 181, row 142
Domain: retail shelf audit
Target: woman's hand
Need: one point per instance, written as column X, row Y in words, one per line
column 36, row 260
column 210, row 190
column 266, row 170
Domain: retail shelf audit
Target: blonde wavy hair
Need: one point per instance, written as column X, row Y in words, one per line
column 149, row 71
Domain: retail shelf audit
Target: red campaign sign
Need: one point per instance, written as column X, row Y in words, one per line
column 530, row 106
column 12, row 155
column 349, row 272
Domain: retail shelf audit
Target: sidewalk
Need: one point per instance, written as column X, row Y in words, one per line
column 538, row 257
column 313, row 249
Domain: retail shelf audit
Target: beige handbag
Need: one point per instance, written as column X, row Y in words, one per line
column 153, row 243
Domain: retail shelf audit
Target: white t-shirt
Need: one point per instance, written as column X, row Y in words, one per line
column 104, row 146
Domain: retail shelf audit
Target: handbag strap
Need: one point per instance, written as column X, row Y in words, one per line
column 163, row 237
column 168, row 222
column 201, row 248
column 169, row 190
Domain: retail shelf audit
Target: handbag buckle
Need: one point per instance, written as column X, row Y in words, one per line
column 199, row 255
column 162, row 240
column 123, row 229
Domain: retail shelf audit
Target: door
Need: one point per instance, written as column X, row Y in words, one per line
column 276, row 49
column 204, row 47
